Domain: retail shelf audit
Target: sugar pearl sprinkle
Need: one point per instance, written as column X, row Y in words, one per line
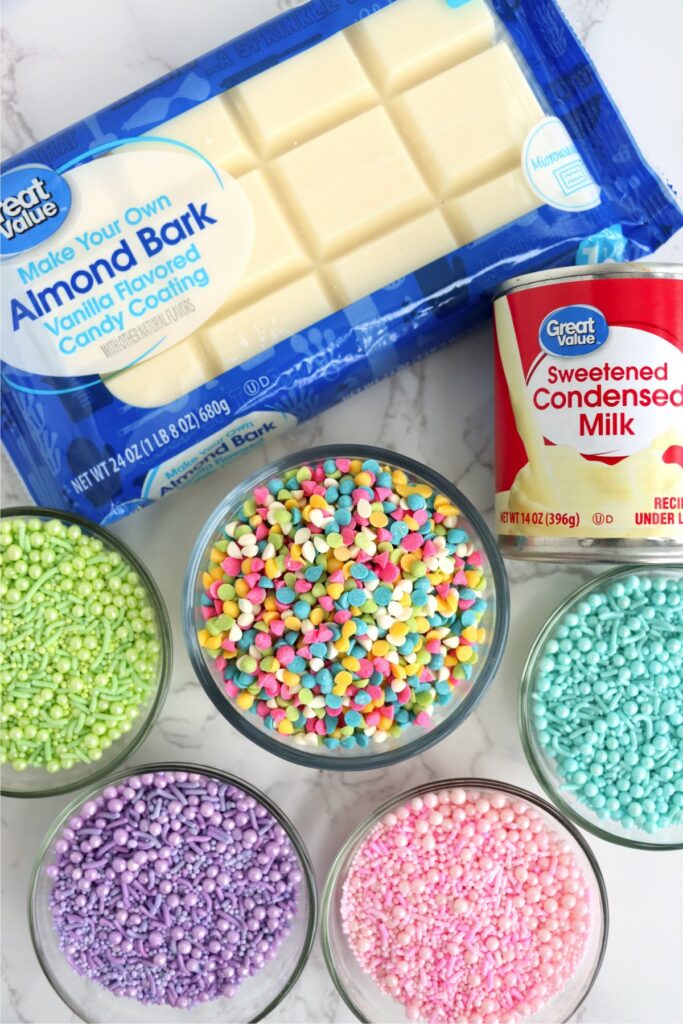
column 344, row 604
column 79, row 645
column 608, row 701
column 466, row 908
column 172, row 888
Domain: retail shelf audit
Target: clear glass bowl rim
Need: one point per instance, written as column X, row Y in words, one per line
column 300, row 755
column 210, row 772
column 524, row 716
column 99, row 771
column 364, row 828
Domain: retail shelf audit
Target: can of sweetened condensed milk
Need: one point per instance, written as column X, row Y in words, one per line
column 589, row 414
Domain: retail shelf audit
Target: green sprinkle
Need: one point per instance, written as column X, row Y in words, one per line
column 76, row 628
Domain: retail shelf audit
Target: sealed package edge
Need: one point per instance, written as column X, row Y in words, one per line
column 286, row 220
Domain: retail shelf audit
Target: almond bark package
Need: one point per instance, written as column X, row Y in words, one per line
column 288, row 219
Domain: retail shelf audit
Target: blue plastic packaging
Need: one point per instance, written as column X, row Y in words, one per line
column 79, row 448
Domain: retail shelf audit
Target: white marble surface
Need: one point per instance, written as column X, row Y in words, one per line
column 62, row 60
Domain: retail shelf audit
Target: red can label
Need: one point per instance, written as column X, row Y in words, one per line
column 589, row 409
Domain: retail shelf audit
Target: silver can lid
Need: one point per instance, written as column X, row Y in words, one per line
column 590, row 272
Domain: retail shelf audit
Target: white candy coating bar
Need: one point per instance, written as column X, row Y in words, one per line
column 364, row 158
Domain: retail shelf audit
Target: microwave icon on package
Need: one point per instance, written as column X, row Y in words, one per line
column 573, row 177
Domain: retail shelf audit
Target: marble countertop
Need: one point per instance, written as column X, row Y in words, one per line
column 60, row 62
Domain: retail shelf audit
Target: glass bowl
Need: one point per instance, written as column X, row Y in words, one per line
column 36, row 781
column 413, row 740
column 254, row 998
column 546, row 768
column 359, row 990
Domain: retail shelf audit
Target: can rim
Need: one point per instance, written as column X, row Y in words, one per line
column 589, row 272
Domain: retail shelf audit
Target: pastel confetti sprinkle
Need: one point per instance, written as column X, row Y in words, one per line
column 344, row 604
column 466, row 906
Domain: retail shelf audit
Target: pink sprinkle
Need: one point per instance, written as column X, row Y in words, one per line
column 285, row 654
column 344, row 465
column 404, row 696
column 336, row 577
column 261, row 495
column 390, row 573
column 434, row 937
column 257, row 595
column 220, row 663
column 460, row 580
column 382, row 493
column 302, row 586
column 326, row 602
column 292, row 565
column 373, row 718
column 420, row 516
column 277, row 627
column 375, row 692
column 342, row 616
column 365, row 669
column 232, row 566
column 213, row 589
column 429, row 549
column 412, row 542
column 324, row 634
column 207, row 613
column 423, row 719
column 263, row 641
column 231, row 689
column 348, row 535
column 278, row 714
column 320, row 727
column 257, row 564
column 382, row 665
column 229, row 645
column 262, row 709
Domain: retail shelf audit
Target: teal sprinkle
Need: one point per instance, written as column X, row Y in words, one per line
column 353, row 718
column 607, row 708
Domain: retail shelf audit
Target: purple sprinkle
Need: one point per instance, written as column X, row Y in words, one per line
column 180, row 883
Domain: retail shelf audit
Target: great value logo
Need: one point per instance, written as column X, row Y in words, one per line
column 573, row 331
column 34, row 202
